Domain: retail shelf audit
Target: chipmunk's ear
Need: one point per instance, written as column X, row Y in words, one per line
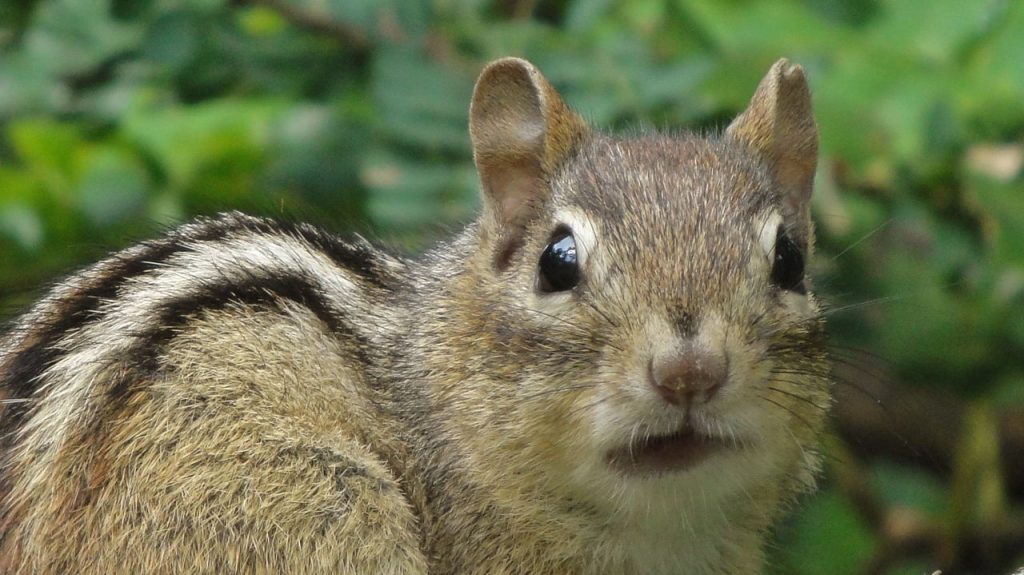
column 521, row 131
column 779, row 124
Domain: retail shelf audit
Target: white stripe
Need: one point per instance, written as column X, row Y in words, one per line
column 73, row 380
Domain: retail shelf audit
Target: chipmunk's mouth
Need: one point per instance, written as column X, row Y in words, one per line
column 671, row 453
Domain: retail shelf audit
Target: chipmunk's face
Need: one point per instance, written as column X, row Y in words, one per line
column 656, row 339
column 675, row 269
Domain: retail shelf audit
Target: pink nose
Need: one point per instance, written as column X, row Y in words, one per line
column 688, row 375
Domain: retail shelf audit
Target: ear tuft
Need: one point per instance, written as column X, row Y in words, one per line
column 522, row 132
column 779, row 124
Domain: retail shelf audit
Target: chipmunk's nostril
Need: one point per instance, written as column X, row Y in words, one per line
column 688, row 375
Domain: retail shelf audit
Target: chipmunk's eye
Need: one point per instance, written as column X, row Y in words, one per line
column 788, row 265
column 559, row 268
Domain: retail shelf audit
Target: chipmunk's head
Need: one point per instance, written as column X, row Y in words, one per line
column 647, row 296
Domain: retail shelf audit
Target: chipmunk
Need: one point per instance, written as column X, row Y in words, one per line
column 618, row 368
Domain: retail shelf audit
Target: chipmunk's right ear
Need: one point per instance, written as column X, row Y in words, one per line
column 521, row 132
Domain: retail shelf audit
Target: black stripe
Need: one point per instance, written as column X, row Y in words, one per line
column 18, row 377
column 142, row 359
column 359, row 258
column 77, row 310
column 254, row 291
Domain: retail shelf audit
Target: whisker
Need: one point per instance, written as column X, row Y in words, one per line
column 632, row 440
column 604, row 315
column 798, row 397
column 857, row 363
column 595, row 403
column 859, row 351
column 853, row 384
column 811, row 371
column 862, row 239
column 563, row 389
column 828, row 311
column 792, row 412
column 579, row 329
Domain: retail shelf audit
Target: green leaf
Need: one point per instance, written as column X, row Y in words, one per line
column 898, row 485
column 375, row 18
column 183, row 140
column 991, row 86
column 421, row 102
column 28, row 85
column 49, row 150
column 936, row 30
column 582, row 14
column 315, row 157
column 406, row 194
column 766, row 29
column 172, row 41
column 114, row 186
column 75, row 36
column 828, row 537
column 21, row 224
column 1001, row 207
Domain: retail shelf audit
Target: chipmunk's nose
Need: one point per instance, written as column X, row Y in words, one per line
column 688, row 375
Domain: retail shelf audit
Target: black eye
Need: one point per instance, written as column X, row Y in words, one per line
column 559, row 268
column 788, row 267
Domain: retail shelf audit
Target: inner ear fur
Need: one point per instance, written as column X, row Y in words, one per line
column 522, row 132
column 779, row 125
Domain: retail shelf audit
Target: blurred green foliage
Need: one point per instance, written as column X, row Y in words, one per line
column 120, row 116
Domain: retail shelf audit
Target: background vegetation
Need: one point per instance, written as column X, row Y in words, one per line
column 120, row 116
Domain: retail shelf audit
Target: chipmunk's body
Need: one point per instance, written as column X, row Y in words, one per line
column 247, row 396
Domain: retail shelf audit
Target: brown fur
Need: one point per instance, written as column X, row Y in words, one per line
column 245, row 396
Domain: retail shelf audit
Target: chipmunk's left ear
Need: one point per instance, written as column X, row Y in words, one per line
column 779, row 124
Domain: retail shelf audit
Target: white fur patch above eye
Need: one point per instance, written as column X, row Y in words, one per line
column 768, row 231
column 583, row 231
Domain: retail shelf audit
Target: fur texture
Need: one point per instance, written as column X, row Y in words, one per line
column 250, row 396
